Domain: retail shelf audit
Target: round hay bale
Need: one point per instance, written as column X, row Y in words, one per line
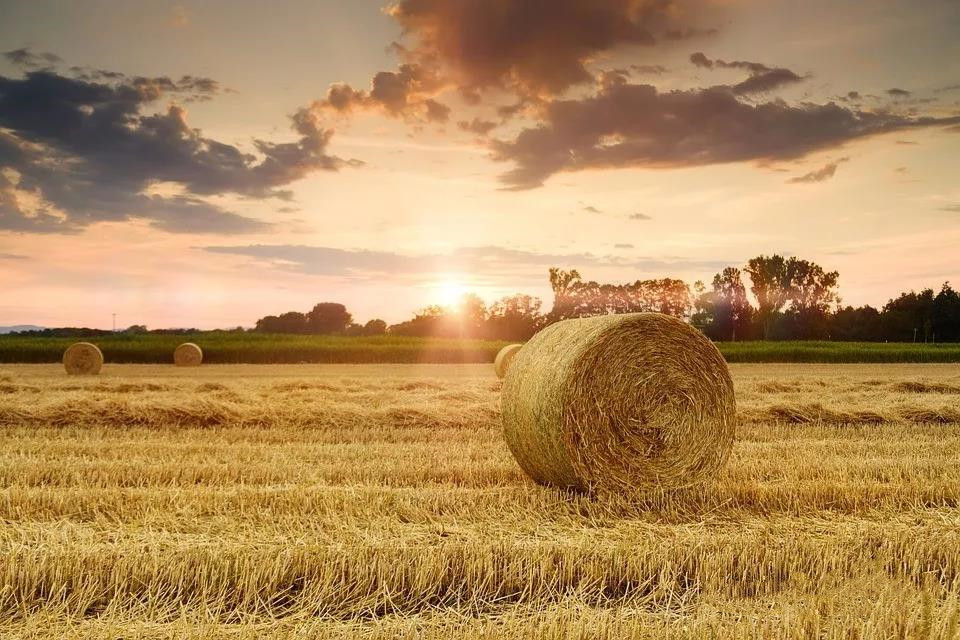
column 187, row 355
column 82, row 359
column 637, row 400
column 504, row 358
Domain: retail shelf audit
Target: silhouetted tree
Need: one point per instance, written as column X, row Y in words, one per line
column 289, row 322
column 375, row 327
column 730, row 310
column 770, row 285
column 946, row 315
column 514, row 317
column 328, row 317
column 861, row 324
column 909, row 317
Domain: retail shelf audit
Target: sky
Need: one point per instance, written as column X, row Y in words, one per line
column 204, row 164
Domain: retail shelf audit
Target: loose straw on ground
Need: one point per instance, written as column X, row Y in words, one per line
column 504, row 357
column 187, row 355
column 82, row 359
column 622, row 401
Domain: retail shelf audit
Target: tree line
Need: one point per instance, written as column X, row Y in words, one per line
column 768, row 298
column 789, row 299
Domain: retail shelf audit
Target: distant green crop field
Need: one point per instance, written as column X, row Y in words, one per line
column 222, row 347
column 797, row 351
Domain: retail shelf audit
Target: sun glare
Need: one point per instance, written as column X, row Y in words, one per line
column 449, row 292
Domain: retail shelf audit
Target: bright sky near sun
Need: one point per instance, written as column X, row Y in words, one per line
column 208, row 163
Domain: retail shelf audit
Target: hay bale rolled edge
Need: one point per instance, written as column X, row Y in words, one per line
column 83, row 358
column 188, row 354
column 504, row 357
column 623, row 401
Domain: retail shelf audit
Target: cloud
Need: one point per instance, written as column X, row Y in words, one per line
column 762, row 78
column 635, row 125
column 533, row 48
column 405, row 93
column 12, row 256
column 487, row 260
column 623, row 246
column 74, row 152
column 24, row 57
column 952, row 208
column 592, row 209
column 822, row 174
column 653, row 69
column 898, row 93
column 639, row 216
column 477, row 126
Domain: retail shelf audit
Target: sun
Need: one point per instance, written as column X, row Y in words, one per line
column 449, row 292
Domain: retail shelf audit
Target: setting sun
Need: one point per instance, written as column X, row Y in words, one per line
column 449, row 292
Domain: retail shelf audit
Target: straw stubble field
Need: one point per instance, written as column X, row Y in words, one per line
column 381, row 501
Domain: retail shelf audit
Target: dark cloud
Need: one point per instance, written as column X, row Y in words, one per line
column 630, row 125
column 822, row 174
column 24, row 57
column 358, row 263
column 538, row 46
column 762, row 78
column 898, row 93
column 639, row 216
column 592, row 209
column 952, row 208
column 87, row 152
column 477, row 126
column 12, row 256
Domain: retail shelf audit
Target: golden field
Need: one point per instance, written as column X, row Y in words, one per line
column 380, row 501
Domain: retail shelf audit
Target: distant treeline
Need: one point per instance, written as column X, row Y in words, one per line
column 791, row 299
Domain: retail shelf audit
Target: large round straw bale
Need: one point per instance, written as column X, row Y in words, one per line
column 636, row 400
column 187, row 355
column 504, row 358
column 82, row 359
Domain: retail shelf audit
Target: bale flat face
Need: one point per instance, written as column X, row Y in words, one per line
column 187, row 355
column 624, row 401
column 504, row 358
column 82, row 359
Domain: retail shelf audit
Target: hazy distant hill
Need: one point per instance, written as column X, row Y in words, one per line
column 20, row 327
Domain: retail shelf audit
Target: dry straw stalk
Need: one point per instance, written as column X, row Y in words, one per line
column 504, row 358
column 622, row 401
column 188, row 355
column 83, row 358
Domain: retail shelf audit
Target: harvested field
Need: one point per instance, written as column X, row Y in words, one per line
column 380, row 501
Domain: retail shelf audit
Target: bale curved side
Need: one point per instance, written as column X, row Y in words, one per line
column 188, row 355
column 622, row 401
column 83, row 359
column 505, row 358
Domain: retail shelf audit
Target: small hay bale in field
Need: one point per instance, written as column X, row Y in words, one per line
column 82, row 359
column 505, row 356
column 187, row 355
column 626, row 401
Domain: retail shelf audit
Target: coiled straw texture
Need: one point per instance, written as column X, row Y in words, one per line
column 618, row 402
column 82, row 359
column 504, row 357
column 187, row 355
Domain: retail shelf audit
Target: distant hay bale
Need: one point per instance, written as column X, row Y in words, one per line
column 621, row 401
column 506, row 355
column 82, row 359
column 187, row 355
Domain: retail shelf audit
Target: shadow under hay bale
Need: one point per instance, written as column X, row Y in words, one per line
column 187, row 355
column 82, row 359
column 615, row 402
column 504, row 357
